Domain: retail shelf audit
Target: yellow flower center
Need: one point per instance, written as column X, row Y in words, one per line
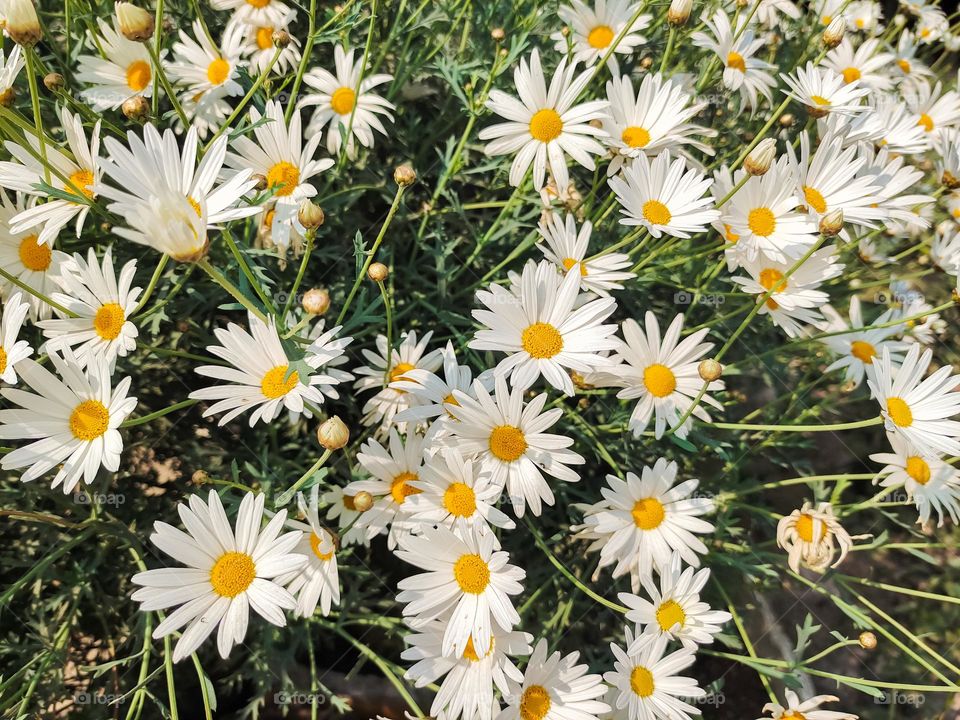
column 218, row 71
column 471, row 574
column 535, row 703
column 926, row 121
column 546, row 125
column 541, row 340
column 232, row 573
column 460, row 500
column 820, row 100
column 276, row 384
column 735, row 60
column 399, row 369
column 108, row 322
column 918, row 469
column 762, row 221
column 768, row 280
column 3, row 360
column 814, row 199
column 600, row 37
column 399, row 490
column 904, row 65
column 82, row 180
column 265, row 38
column 641, row 681
column 258, row 3
column 656, row 213
column 730, row 235
column 284, row 177
column 648, row 513
column 863, row 351
column 570, row 262
column 850, row 74
column 635, row 136
column 89, row 420
column 669, row 614
column 925, row 33
column 138, row 75
column 659, row 380
column 470, row 653
column 807, row 524
column 826, row 19
column 343, row 100
column 316, row 543
column 793, row 715
column 860, row 23
column 899, row 412
column 507, row 442
column 35, row 257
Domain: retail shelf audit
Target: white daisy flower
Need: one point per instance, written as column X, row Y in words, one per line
column 259, row 376
column 555, row 688
column 945, row 248
column 911, row 301
column 102, row 303
column 10, row 67
column 592, row 31
column 909, row 68
column 509, row 439
column 895, row 178
column 863, row 15
column 253, row 12
column 544, row 124
column 465, row 575
column 258, row 47
column 227, row 573
column 824, row 90
column 865, row 63
column 169, row 223
column 121, row 70
column 543, row 331
column 567, row 248
column 664, row 197
column 342, row 508
column 932, row 25
column 860, row 348
column 741, row 71
column 918, row 408
column 346, row 103
column 643, row 520
column 647, row 682
column 75, row 174
column 810, row 535
column 809, row 709
column 12, row 351
column 890, row 126
column 72, row 420
column 769, row 11
column 934, row 110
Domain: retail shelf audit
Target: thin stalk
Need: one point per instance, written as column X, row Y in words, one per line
column 222, row 281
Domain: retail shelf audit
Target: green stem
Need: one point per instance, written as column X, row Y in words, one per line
column 23, row 286
column 311, row 234
column 222, row 281
column 152, row 285
column 304, row 59
column 133, row 422
column 167, row 87
column 288, row 495
column 171, row 684
column 801, row 428
column 31, row 54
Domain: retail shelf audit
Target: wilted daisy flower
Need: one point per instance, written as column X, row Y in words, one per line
column 809, row 709
column 10, row 67
column 824, row 91
column 345, row 102
column 12, row 350
column 918, row 408
column 735, row 49
column 317, row 581
column 934, row 109
column 655, row 118
column 509, row 439
column 228, row 572
column 643, row 520
column 260, row 49
column 945, row 249
column 259, row 376
column 929, row 481
column 75, row 174
column 811, row 535
column 122, row 69
column 543, row 331
column 465, row 575
column 468, row 681
column 647, row 682
column 664, row 197
column 253, row 12
column 594, row 29
column 72, row 419
column 566, row 248
column 554, row 688
column 859, row 347
column 543, row 125
column 102, row 304
column 675, row 608
column 865, row 63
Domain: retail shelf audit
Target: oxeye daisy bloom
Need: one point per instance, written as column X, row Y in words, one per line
column 908, row 67
column 929, row 481
column 509, row 439
column 917, row 408
column 735, row 49
column 945, row 248
column 468, row 681
column 258, row 46
column 675, row 608
column 895, row 178
column 566, row 247
column 593, row 30
column 661, row 374
column 824, row 91
column 253, row 12
column 863, row 15
column 75, row 174
column 911, row 302
column 808, row 709
column 643, row 520
column 317, row 581
column 932, row 25
column 10, row 67
column 768, row 13
column 864, row 63
column 811, row 535
column 122, row 71
column 72, row 418
column 647, row 683
column 544, row 124
column 934, row 109
column 259, row 377
column 12, row 351
column 169, row 223
column 102, row 303
column 453, row 493
column 465, row 575
column 227, row 573
column 655, row 118
column 890, row 126
column 542, row 331
column 664, row 197
column 345, row 103
column 859, row 348
column 555, row 688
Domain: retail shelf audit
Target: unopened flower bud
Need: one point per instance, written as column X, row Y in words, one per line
column 833, row 35
column 310, row 215
column 136, row 108
column 832, row 223
column 710, row 370
column 316, row 301
column 761, row 157
column 53, row 81
column 8, row 96
column 786, row 120
column 378, row 272
column 646, row 63
column 281, row 39
column 949, row 180
column 868, row 641
column 23, row 25
column 199, row 477
column 404, row 175
column 260, row 180
column 134, row 23
column 333, row 434
column 498, row 34
column 679, row 12
column 362, row 501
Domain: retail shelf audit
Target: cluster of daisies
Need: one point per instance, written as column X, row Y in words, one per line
column 455, row 459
